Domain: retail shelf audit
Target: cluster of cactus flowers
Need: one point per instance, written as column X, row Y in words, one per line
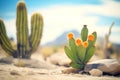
column 26, row 44
column 80, row 50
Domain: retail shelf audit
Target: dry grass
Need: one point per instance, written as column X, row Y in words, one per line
column 46, row 51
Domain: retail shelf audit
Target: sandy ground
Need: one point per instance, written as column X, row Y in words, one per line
column 11, row 72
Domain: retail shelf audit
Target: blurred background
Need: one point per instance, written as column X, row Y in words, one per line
column 63, row 16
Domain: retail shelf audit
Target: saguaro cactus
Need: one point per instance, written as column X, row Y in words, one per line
column 25, row 44
column 81, row 50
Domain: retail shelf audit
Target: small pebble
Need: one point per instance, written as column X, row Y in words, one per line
column 96, row 72
column 14, row 73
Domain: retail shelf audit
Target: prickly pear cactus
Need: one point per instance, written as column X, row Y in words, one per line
column 25, row 44
column 80, row 50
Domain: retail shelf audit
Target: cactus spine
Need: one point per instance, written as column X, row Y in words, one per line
column 81, row 50
column 25, row 44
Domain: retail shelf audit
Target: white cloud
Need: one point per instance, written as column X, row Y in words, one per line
column 60, row 18
column 108, row 8
column 115, row 38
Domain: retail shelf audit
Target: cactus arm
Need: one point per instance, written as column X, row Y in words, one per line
column 73, row 48
column 89, row 54
column 22, row 29
column 91, row 48
column 92, row 43
column 69, row 53
column 81, row 52
column 5, row 42
column 84, row 33
column 95, row 37
column 36, row 30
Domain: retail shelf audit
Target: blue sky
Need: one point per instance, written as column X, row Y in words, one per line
column 65, row 15
column 40, row 3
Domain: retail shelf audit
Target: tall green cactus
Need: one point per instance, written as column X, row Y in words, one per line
column 81, row 50
column 22, row 29
column 25, row 44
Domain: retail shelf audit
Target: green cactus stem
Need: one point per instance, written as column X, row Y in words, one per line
column 89, row 54
column 22, row 29
column 4, row 40
column 73, row 48
column 36, row 30
column 84, row 33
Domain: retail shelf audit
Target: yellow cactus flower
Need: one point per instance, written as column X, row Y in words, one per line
column 78, row 42
column 91, row 37
column 85, row 44
column 70, row 35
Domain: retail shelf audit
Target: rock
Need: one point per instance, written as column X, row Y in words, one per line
column 96, row 72
column 14, row 73
column 59, row 59
column 110, row 66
